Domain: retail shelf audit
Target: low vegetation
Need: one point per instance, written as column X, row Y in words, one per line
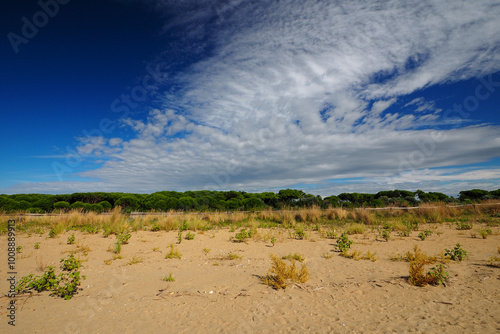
column 281, row 275
column 64, row 285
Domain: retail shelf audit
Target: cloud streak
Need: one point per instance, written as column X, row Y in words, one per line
column 306, row 91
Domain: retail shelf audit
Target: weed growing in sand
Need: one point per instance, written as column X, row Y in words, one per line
column 90, row 229
column 327, row 255
column 155, row 227
column 37, row 245
column 108, row 262
column 173, row 253
column 134, row 260
column 355, row 255
column 70, row 263
column 405, row 233
column 117, row 247
column 299, row 233
column 494, row 261
column 424, row 235
column 189, row 236
column 330, row 234
column 242, row 236
column 206, row 250
column 64, row 285
column 370, row 256
column 52, row 233
column 385, row 234
column 416, row 270
column 273, row 240
column 464, row 226
column 71, row 239
column 457, row 253
column 19, row 249
column 297, row 257
column 437, row 275
column 343, row 243
column 485, row 233
column 281, row 275
column 123, row 237
column 233, row 256
column 168, row 278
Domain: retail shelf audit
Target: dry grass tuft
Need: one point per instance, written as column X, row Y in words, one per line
column 281, row 275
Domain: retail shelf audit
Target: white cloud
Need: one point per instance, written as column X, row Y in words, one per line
column 248, row 115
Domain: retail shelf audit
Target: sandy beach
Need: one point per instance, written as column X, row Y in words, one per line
column 215, row 294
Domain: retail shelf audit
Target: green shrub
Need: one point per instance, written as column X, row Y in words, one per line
column 71, row 239
column 64, row 285
column 457, row 253
column 343, row 243
column 242, row 236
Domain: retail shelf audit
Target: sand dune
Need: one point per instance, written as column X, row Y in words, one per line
column 216, row 295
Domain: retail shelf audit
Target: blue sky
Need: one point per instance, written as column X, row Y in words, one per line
column 143, row 96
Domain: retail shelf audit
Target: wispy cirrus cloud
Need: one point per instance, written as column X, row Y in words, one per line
column 281, row 93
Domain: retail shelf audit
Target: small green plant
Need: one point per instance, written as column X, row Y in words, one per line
column 155, row 227
column 233, row 256
column 232, row 229
column 189, row 236
column 37, row 245
column 242, row 236
column 297, row 257
column 343, row 243
column 273, row 240
column 386, row 235
column 464, row 226
column 106, row 232
column 299, row 232
column 173, row 253
column 118, row 247
column 168, row 278
column 331, row 234
column 206, row 250
column 423, row 235
column 52, row 233
column 437, row 275
column 123, row 237
column 405, row 233
column 19, row 249
column 70, row 263
column 71, row 239
column 156, row 249
column 281, row 275
column 485, row 233
column 457, row 253
column 90, row 229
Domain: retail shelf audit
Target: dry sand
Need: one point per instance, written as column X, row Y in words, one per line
column 212, row 295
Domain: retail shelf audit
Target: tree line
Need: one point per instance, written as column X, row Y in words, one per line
column 206, row 200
